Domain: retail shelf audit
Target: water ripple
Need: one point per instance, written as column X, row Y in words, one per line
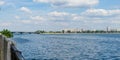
column 69, row 47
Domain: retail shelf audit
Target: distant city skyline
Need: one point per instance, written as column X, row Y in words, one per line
column 55, row 15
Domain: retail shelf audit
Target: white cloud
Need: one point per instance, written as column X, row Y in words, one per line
column 55, row 13
column 25, row 9
column 5, row 24
column 78, row 17
column 53, row 16
column 26, row 21
column 83, row 18
column 70, row 3
column 101, row 12
column 116, row 21
column 17, row 17
column 37, row 18
column 60, row 16
column 2, row 3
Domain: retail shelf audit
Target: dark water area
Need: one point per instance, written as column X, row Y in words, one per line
column 69, row 46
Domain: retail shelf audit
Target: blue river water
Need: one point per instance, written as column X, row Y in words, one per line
column 69, row 46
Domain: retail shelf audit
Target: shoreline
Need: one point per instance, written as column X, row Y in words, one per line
column 79, row 33
column 65, row 33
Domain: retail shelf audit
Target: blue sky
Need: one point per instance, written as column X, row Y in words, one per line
column 32, row 15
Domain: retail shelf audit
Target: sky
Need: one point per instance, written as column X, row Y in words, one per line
column 32, row 15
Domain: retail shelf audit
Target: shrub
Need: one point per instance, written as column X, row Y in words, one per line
column 6, row 33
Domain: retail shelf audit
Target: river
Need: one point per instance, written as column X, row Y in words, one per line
column 69, row 46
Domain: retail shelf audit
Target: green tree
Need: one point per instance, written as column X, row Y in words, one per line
column 68, row 31
column 39, row 31
column 6, row 33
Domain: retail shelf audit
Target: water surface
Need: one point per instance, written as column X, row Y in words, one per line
column 69, row 46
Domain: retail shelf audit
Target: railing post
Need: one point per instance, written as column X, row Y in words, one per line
column 5, row 47
column 1, row 48
column 9, row 50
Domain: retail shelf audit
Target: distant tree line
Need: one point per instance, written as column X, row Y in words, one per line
column 91, row 31
column 42, row 31
column 68, row 31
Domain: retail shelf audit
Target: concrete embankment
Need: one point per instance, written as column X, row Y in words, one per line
column 8, row 50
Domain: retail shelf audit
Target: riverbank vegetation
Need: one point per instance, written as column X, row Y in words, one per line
column 6, row 33
column 68, row 31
